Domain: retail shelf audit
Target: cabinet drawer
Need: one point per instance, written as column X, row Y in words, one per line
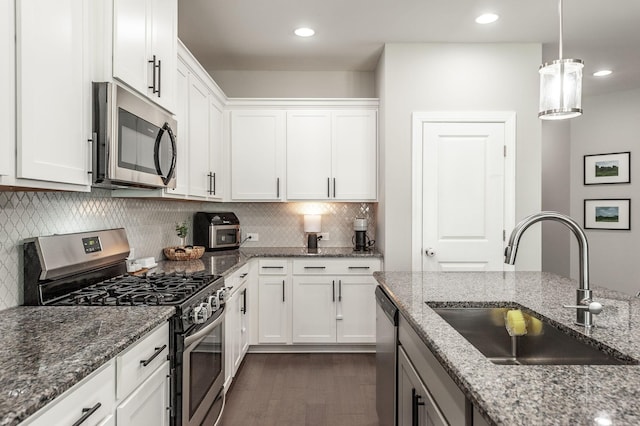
column 332, row 266
column 151, row 350
column 273, row 267
column 235, row 280
column 96, row 389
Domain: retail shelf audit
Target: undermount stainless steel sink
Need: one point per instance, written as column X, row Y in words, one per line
column 483, row 329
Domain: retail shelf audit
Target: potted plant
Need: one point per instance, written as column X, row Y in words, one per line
column 182, row 230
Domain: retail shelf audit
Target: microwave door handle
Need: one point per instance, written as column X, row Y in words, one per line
column 156, row 153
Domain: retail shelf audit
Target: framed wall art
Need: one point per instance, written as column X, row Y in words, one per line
column 607, row 214
column 607, row 168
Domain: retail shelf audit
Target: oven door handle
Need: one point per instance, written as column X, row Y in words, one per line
column 190, row 340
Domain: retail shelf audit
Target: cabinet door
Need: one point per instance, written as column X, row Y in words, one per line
column 257, row 155
column 182, row 132
column 415, row 404
column 216, row 159
column 244, row 323
column 7, row 86
column 354, row 154
column 131, row 32
column 198, row 138
column 164, row 45
column 53, row 116
column 308, row 155
column 231, row 326
column 314, row 309
column 356, row 309
column 148, row 405
column 273, row 310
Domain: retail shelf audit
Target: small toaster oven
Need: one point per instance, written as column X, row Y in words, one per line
column 216, row 231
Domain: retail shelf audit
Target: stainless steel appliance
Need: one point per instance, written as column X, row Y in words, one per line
column 386, row 358
column 216, row 231
column 134, row 141
column 360, row 239
column 89, row 268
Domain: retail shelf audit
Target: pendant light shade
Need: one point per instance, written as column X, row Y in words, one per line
column 560, row 85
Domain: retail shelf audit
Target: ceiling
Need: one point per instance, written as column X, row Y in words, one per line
column 350, row 34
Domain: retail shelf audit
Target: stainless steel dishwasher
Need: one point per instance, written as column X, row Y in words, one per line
column 386, row 358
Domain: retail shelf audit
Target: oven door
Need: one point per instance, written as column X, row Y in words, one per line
column 224, row 236
column 203, row 370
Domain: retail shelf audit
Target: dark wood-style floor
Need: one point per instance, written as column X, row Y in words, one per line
column 303, row 390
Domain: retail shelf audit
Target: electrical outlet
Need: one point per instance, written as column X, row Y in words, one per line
column 324, row 236
column 253, row 236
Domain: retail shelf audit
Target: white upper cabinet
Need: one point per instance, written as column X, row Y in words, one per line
column 216, row 175
column 257, row 154
column 145, row 47
column 7, row 81
column 354, row 147
column 198, row 137
column 182, row 131
column 53, row 116
column 332, row 155
column 309, row 155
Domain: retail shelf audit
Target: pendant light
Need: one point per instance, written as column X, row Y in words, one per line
column 560, row 85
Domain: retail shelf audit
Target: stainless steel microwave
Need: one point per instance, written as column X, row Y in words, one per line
column 134, row 141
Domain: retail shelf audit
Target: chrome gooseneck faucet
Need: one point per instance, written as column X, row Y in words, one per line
column 585, row 306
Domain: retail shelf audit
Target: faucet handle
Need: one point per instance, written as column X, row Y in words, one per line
column 594, row 307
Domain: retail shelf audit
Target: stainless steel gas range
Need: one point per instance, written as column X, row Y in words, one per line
column 89, row 268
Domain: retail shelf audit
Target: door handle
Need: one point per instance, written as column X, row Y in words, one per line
column 415, row 405
column 430, row 252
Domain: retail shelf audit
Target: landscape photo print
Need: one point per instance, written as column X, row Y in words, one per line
column 607, row 168
column 612, row 214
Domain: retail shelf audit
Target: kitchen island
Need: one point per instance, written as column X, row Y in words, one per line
column 519, row 394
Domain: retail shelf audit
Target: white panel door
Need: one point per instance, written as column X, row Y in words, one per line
column 356, row 309
column 148, row 405
column 7, row 85
column 131, row 33
column 198, row 138
column 164, row 44
column 354, row 153
column 308, row 155
column 182, row 132
column 273, row 310
column 463, row 196
column 216, row 180
column 53, row 90
column 257, row 155
column 314, row 309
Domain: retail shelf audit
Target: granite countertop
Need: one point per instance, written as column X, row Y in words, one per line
column 226, row 262
column 46, row 350
column 527, row 395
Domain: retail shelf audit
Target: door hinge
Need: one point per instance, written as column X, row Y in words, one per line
column 504, row 235
column 505, row 150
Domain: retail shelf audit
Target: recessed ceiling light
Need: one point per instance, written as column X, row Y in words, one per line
column 487, row 18
column 602, row 73
column 304, row 32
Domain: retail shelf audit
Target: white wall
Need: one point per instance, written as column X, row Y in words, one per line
column 610, row 123
column 295, row 84
column 556, row 166
column 455, row 77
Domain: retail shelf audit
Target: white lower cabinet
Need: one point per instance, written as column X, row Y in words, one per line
column 93, row 399
column 416, row 406
column 236, row 324
column 148, row 404
column 333, row 300
column 274, row 301
column 426, row 393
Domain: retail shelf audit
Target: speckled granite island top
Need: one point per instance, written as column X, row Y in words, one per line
column 46, row 350
column 519, row 394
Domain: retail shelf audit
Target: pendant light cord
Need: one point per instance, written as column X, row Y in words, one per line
column 560, row 42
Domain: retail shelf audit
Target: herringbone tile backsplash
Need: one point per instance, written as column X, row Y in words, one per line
column 150, row 224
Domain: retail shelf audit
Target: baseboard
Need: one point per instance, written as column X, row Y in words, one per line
column 363, row 348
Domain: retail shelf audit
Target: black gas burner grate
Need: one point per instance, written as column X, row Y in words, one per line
column 147, row 289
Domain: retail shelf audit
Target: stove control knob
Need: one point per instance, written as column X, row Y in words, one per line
column 199, row 315
column 214, row 303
